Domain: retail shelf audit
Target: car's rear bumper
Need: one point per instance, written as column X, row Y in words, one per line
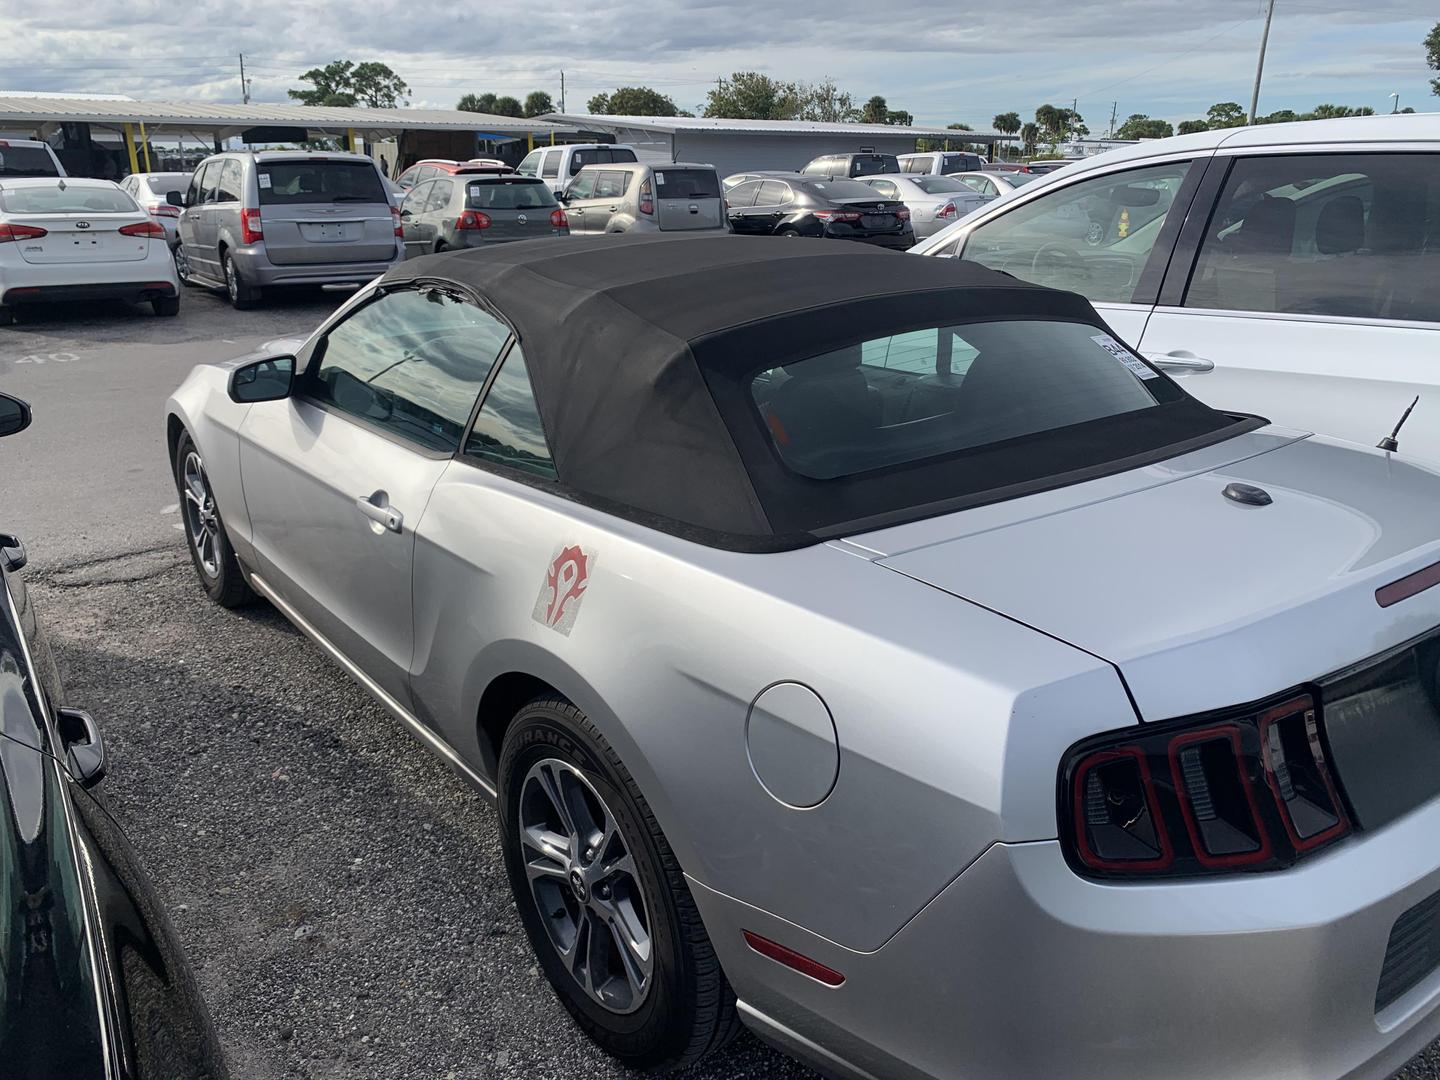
column 130, row 279
column 1022, row 969
column 133, row 291
column 256, row 267
column 897, row 241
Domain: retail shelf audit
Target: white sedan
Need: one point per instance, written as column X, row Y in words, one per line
column 66, row 238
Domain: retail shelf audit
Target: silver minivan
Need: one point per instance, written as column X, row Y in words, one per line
column 671, row 197
column 252, row 221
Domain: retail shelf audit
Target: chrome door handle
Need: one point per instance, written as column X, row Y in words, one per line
column 614, row 208
column 385, row 515
column 1180, row 361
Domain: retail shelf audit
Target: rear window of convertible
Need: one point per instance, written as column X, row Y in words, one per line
column 931, row 393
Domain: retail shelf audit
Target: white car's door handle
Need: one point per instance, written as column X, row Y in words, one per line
column 1180, row 361
column 380, row 512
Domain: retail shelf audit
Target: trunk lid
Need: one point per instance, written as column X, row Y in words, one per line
column 688, row 199
column 878, row 215
column 324, row 210
column 1202, row 602
column 82, row 238
column 519, row 224
column 518, row 208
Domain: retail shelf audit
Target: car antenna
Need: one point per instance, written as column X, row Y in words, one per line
column 1392, row 441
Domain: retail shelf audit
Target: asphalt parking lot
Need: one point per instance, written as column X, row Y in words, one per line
column 340, row 891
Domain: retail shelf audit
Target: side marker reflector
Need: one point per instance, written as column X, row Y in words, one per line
column 1408, row 586
column 792, row 959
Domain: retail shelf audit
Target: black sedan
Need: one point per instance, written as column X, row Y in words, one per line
column 94, row 985
column 817, row 206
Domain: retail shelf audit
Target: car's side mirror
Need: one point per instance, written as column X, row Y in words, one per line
column 263, row 380
column 84, row 749
column 12, row 553
column 405, row 213
column 563, row 196
column 14, row 415
column 175, row 198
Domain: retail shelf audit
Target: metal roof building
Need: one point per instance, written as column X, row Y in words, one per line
column 742, row 145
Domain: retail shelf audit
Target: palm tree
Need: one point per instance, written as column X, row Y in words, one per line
column 1007, row 123
column 1029, row 136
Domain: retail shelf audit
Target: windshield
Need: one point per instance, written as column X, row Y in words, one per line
column 940, row 185
column 1015, row 179
column 74, row 199
column 509, row 195
column 319, row 181
column 930, row 393
column 164, row 183
column 836, row 190
column 26, row 161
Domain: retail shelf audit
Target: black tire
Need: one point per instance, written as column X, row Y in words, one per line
column 243, row 296
column 166, row 305
column 7, row 316
column 689, row 1010
column 225, row 584
column 788, row 231
column 182, row 266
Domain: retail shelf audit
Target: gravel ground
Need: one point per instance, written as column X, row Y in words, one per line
column 340, row 891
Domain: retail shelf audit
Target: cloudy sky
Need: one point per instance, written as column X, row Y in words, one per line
column 943, row 62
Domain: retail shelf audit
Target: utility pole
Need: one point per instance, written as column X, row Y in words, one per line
column 1260, row 64
column 244, row 82
column 1113, row 106
column 562, row 91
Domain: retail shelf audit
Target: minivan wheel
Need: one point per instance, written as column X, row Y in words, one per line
column 602, row 897
column 210, row 550
column 182, row 264
column 242, row 295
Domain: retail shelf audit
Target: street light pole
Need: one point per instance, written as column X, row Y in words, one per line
column 1396, row 107
column 1260, row 64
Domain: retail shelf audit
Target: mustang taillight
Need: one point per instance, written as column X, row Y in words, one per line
column 1241, row 791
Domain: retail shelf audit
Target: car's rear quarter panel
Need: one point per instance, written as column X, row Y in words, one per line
column 949, row 717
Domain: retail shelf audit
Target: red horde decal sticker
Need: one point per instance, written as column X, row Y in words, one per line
column 566, row 580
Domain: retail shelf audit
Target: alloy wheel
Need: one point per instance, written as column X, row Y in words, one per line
column 232, row 282
column 585, row 886
column 182, row 262
column 201, row 523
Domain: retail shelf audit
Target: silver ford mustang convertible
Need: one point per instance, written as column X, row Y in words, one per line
column 872, row 651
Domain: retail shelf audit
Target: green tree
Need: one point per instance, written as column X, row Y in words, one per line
column 538, row 103
column 1280, row 116
column 1007, row 123
column 1057, row 124
column 633, row 101
column 508, row 106
column 825, row 103
column 1432, row 55
column 899, row 117
column 1225, row 114
column 1029, row 138
column 477, row 103
column 749, row 95
column 875, row 111
column 1190, row 127
column 1331, row 112
column 344, row 84
column 1140, row 126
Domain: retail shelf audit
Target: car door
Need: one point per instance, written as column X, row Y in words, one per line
column 739, row 206
column 771, row 205
column 578, row 200
column 193, row 229
column 434, row 212
column 337, row 476
column 981, row 184
column 410, row 211
column 610, row 187
column 1107, row 234
column 1309, row 295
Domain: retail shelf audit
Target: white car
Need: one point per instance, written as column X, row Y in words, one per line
column 153, row 192
column 28, row 157
column 74, row 239
column 1288, row 270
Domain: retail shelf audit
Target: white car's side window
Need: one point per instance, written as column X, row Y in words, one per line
column 1092, row 237
column 1324, row 234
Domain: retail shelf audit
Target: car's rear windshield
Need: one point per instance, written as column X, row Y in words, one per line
column 940, row 185
column 164, row 183
column 26, row 161
column 873, row 164
column 319, row 181
column 72, row 199
column 517, row 193
column 687, row 184
column 933, row 393
column 841, row 189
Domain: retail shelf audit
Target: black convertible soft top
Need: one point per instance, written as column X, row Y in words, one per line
column 641, row 348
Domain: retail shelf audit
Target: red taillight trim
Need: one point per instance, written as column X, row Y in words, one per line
column 903, row 213
column 1304, row 704
column 559, row 219
column 399, row 224
column 164, row 210
column 848, row 216
column 9, row 234
column 948, row 210
column 647, row 197
column 1230, row 734
column 1167, row 854
column 473, row 219
column 152, row 229
column 1408, row 586
column 773, row 950
column 250, row 227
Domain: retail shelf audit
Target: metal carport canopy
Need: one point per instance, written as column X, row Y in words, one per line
column 223, row 121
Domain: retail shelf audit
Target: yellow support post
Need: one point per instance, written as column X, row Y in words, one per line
column 130, row 147
column 350, row 140
column 145, row 147
column 532, row 141
column 552, row 136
